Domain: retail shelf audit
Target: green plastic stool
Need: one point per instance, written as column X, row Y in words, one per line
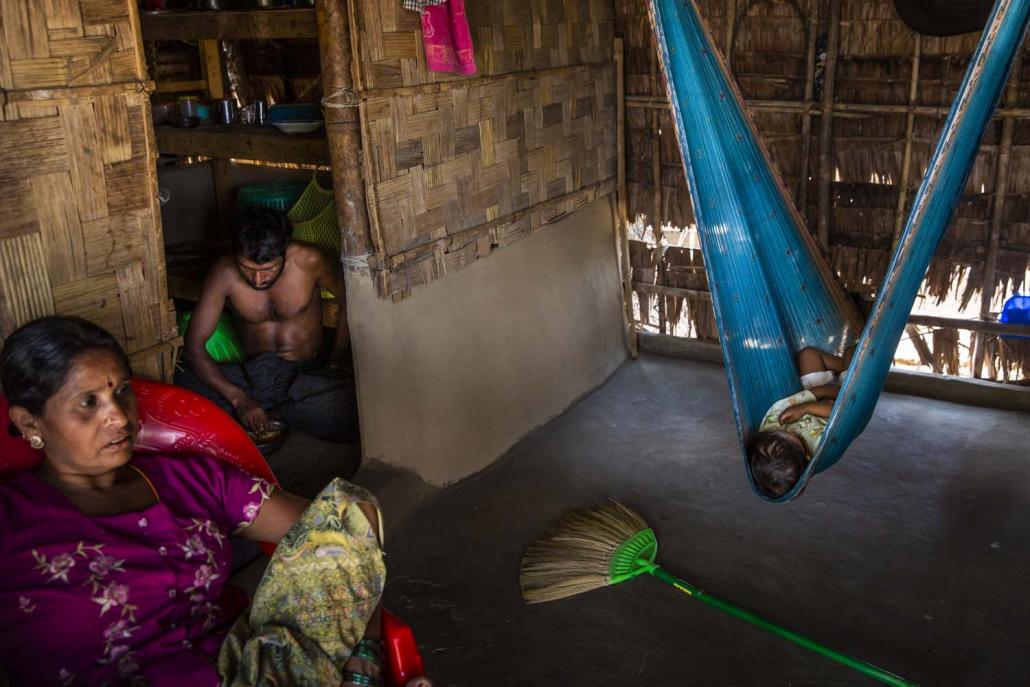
column 223, row 346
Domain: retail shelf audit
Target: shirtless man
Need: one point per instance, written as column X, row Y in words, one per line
column 273, row 287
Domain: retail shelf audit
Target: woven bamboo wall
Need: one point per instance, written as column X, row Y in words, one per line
column 769, row 42
column 457, row 166
column 80, row 229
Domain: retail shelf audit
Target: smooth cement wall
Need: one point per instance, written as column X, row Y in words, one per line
column 450, row 377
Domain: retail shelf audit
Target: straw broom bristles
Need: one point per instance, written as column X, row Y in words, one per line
column 575, row 557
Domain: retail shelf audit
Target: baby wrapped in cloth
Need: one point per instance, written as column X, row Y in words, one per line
column 315, row 600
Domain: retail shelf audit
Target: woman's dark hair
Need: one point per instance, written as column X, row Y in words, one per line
column 37, row 357
column 262, row 234
column 776, row 462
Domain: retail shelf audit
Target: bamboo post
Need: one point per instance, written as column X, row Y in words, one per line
column 656, row 162
column 342, row 124
column 1001, row 182
column 806, row 117
column 906, row 160
column 826, row 123
column 731, row 29
column 621, row 220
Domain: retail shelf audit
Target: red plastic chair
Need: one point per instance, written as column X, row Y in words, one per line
column 177, row 422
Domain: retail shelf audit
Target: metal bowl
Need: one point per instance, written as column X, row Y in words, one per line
column 272, row 440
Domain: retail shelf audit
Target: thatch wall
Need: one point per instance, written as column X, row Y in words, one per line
column 458, row 166
column 80, row 228
column 886, row 119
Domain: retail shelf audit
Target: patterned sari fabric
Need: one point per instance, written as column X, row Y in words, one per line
column 315, row 600
column 127, row 599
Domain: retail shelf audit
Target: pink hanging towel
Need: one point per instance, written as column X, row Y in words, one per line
column 447, row 38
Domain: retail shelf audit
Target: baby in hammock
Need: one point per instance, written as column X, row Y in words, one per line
column 793, row 426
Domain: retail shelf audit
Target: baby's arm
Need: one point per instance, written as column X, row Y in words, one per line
column 794, row 413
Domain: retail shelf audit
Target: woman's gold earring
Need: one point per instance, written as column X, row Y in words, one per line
column 36, row 442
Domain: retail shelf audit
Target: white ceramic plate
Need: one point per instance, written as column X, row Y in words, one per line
column 298, row 127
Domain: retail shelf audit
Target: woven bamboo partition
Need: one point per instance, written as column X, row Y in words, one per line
column 80, row 229
column 457, row 166
column 853, row 176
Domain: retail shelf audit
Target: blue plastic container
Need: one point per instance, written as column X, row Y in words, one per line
column 1016, row 311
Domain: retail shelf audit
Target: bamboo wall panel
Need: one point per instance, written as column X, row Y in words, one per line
column 80, row 229
column 459, row 168
column 509, row 36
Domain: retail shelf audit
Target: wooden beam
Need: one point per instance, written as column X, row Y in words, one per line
column 211, row 63
column 180, row 86
column 806, row 117
column 674, row 291
column 731, row 30
column 906, row 160
column 263, row 144
column 988, row 326
column 839, row 109
column 61, row 96
column 343, row 126
column 621, row 220
column 974, row 392
column 826, row 174
column 656, row 176
column 229, row 25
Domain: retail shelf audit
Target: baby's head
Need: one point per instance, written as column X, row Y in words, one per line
column 777, row 459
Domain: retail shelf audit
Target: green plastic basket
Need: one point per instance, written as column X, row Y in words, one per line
column 223, row 346
column 314, row 217
column 275, row 196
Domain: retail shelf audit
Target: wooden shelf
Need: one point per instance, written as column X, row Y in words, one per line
column 243, row 142
column 297, row 22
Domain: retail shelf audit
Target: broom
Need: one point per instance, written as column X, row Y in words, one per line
column 607, row 544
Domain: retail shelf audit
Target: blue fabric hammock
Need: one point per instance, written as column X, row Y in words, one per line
column 772, row 289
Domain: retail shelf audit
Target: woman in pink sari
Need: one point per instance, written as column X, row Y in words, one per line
column 114, row 564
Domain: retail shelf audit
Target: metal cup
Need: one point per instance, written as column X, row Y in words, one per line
column 260, row 112
column 226, row 111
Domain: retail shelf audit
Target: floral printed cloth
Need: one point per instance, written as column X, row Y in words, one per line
column 315, row 599
column 127, row 599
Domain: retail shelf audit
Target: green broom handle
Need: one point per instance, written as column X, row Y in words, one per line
column 859, row 665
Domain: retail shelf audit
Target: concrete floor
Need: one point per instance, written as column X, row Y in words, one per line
column 911, row 553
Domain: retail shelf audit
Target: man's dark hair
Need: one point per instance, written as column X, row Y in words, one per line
column 262, row 234
column 776, row 462
column 37, row 357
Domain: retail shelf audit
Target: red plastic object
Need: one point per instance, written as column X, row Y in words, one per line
column 403, row 662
